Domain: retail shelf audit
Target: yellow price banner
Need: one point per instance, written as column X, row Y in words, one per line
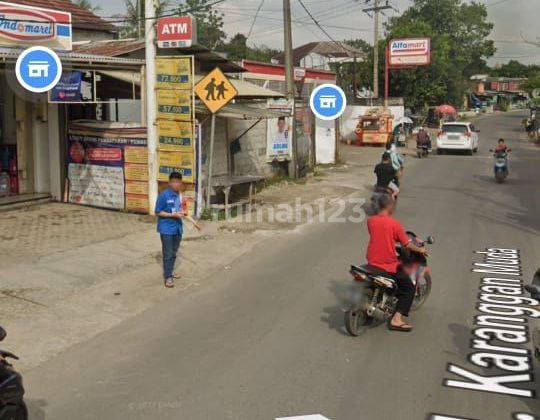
column 175, row 136
column 174, row 105
column 181, row 162
column 174, row 73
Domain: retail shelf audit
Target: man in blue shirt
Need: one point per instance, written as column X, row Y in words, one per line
column 169, row 209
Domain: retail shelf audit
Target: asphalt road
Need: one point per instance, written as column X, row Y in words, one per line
column 265, row 338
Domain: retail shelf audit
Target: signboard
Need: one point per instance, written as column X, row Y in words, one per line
column 95, row 185
column 38, row 69
column 174, row 105
column 176, row 32
column 176, row 162
column 279, row 132
column 30, row 26
column 328, row 102
column 215, row 90
column 68, row 88
column 174, row 73
column 408, row 52
column 175, row 135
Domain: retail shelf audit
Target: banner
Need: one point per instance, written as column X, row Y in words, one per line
column 176, row 162
column 108, row 166
column 279, row 133
column 175, row 136
column 68, row 88
column 175, row 105
column 174, row 73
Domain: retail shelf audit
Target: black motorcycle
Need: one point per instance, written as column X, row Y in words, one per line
column 373, row 297
column 12, row 406
column 534, row 290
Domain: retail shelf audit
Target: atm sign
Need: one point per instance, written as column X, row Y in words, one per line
column 176, row 32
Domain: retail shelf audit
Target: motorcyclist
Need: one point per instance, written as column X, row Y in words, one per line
column 397, row 162
column 422, row 138
column 501, row 146
column 385, row 232
column 385, row 176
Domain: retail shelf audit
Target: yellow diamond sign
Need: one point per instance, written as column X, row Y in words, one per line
column 215, row 90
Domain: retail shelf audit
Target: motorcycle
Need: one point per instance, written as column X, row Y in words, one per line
column 501, row 165
column 534, row 290
column 373, row 298
column 12, row 405
column 422, row 151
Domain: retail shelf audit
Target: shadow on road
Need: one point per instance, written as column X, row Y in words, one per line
column 35, row 409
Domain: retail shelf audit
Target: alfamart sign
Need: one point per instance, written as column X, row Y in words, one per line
column 30, row 26
column 410, row 52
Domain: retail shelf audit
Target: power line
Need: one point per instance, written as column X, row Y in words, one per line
column 255, row 18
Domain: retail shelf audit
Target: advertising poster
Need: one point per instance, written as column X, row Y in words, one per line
column 175, row 136
column 176, row 162
column 94, row 185
column 108, row 165
column 174, row 105
column 174, row 73
column 279, row 133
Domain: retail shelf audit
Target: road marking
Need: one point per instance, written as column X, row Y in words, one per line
column 310, row 417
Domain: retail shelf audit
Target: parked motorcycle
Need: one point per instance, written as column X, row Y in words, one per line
column 501, row 165
column 373, row 298
column 12, row 405
column 534, row 290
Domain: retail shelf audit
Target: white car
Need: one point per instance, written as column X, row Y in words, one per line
column 457, row 136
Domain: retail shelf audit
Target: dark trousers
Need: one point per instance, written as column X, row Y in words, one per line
column 406, row 289
column 169, row 247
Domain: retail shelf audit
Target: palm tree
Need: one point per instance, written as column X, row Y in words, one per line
column 87, row 5
column 132, row 25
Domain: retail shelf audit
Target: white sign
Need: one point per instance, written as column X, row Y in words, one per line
column 328, row 102
column 100, row 186
column 38, row 69
column 410, row 52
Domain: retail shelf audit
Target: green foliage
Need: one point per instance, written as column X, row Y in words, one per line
column 459, row 45
column 516, row 69
column 130, row 28
column 209, row 22
column 87, row 5
column 237, row 49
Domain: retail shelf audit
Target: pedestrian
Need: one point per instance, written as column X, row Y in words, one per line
column 170, row 210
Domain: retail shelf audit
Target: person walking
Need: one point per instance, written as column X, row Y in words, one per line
column 170, row 211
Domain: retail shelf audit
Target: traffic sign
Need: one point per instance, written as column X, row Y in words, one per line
column 215, row 90
column 38, row 69
column 328, row 102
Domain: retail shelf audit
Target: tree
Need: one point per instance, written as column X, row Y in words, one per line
column 237, row 49
column 87, row 5
column 515, row 69
column 459, row 45
column 209, row 22
column 131, row 20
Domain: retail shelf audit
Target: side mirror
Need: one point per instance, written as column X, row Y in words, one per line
column 3, row 334
column 491, row 150
column 430, row 240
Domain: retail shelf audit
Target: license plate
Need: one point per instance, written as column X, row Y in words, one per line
column 454, row 137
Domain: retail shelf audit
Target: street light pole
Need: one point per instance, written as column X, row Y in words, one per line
column 151, row 105
column 376, row 50
column 289, row 79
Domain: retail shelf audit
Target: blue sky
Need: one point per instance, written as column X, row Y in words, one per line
column 345, row 20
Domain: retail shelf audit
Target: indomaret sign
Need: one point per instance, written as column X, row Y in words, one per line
column 410, row 52
column 176, row 32
column 32, row 26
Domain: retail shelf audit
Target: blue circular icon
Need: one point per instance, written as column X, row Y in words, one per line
column 328, row 102
column 38, row 69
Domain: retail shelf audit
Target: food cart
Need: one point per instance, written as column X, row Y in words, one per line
column 375, row 127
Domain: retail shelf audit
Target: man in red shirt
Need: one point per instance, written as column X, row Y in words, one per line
column 385, row 232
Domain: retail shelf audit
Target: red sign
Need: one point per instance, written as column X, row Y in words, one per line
column 410, row 52
column 176, row 32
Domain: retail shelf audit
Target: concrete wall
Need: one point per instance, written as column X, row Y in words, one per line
column 251, row 160
column 86, row 35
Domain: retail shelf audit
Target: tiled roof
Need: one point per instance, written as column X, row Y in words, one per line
column 81, row 18
column 326, row 48
column 110, row 48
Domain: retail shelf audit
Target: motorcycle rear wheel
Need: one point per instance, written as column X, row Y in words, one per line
column 423, row 289
column 356, row 321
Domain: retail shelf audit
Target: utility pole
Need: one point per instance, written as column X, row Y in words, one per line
column 151, row 105
column 376, row 9
column 289, row 79
column 140, row 17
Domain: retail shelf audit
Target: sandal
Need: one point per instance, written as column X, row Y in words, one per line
column 402, row 328
column 169, row 283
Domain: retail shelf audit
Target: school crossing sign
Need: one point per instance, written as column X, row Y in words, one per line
column 215, row 90
column 38, row 69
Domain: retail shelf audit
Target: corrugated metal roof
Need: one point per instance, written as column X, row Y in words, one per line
column 81, row 18
column 243, row 112
column 11, row 54
column 112, row 48
column 245, row 90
